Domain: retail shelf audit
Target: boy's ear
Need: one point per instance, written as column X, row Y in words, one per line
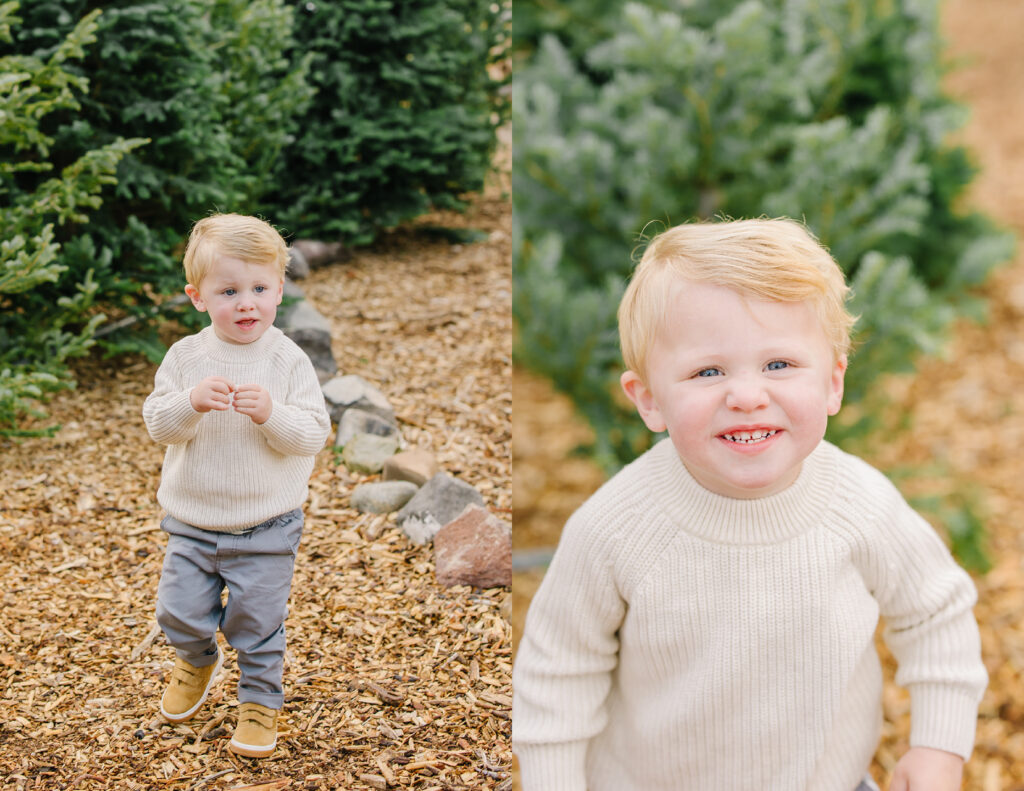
column 642, row 398
column 836, row 385
column 197, row 301
column 280, row 292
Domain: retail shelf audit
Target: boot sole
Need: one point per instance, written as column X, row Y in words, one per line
column 250, row 750
column 185, row 716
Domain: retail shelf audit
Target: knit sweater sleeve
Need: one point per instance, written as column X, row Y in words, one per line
column 568, row 651
column 167, row 411
column 926, row 600
column 299, row 424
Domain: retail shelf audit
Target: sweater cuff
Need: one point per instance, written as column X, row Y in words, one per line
column 546, row 767
column 943, row 717
column 285, row 436
column 176, row 419
column 181, row 409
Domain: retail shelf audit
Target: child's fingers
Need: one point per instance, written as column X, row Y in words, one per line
column 219, row 384
column 247, row 403
column 212, row 393
column 255, row 406
column 217, row 401
column 220, row 395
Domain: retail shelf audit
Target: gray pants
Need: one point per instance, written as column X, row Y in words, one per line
column 867, row 784
column 256, row 567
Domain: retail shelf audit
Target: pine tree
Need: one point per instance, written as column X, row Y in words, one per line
column 35, row 346
column 404, row 117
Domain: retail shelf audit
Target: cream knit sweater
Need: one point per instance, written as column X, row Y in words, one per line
column 221, row 471
column 683, row 640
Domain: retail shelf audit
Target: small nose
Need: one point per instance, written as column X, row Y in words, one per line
column 746, row 393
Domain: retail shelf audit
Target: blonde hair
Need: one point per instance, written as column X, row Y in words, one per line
column 240, row 236
column 771, row 259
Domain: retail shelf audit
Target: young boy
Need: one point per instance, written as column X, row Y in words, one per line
column 707, row 621
column 242, row 414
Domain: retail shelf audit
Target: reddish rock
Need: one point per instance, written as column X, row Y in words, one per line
column 474, row 549
column 415, row 465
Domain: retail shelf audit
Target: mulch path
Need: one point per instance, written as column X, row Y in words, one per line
column 391, row 681
column 965, row 412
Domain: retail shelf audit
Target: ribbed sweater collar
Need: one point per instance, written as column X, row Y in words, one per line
column 726, row 520
column 223, row 351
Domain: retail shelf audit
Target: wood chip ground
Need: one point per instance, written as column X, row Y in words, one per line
column 965, row 413
column 392, row 681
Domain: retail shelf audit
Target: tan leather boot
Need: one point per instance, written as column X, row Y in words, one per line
column 256, row 732
column 187, row 689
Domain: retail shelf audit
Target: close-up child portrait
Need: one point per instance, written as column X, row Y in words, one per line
column 769, row 315
column 719, row 596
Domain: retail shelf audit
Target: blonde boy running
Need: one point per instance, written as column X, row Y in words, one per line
column 708, row 619
column 242, row 414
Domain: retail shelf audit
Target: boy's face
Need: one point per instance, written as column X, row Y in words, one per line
column 744, row 387
column 241, row 298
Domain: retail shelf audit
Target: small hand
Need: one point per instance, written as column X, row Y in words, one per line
column 214, row 392
column 254, row 401
column 926, row 769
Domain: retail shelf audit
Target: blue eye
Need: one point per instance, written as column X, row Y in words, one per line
column 229, row 292
column 709, row 372
column 777, row 365
column 260, row 289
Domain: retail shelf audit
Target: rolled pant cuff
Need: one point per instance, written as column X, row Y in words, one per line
column 272, row 700
column 205, row 659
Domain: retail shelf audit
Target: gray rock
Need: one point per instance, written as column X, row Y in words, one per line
column 366, row 453
column 301, row 322
column 438, row 502
column 474, row 549
column 292, row 291
column 420, row 528
column 298, row 266
column 319, row 253
column 345, row 392
column 382, row 497
column 416, row 465
column 359, row 421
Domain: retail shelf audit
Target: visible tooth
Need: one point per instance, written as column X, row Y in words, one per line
column 748, row 437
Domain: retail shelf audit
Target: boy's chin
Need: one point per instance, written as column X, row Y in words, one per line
column 240, row 337
column 750, row 486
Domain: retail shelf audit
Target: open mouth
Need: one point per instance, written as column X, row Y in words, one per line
column 750, row 437
column 246, row 323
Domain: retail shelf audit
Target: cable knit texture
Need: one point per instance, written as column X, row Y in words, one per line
column 681, row 639
column 223, row 472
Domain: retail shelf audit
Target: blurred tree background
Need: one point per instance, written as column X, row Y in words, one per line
column 630, row 118
column 122, row 122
